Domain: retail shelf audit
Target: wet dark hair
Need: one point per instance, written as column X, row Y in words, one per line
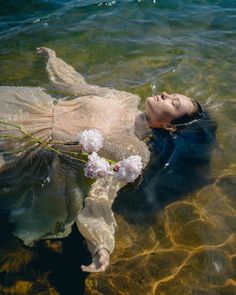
column 196, row 115
column 179, row 164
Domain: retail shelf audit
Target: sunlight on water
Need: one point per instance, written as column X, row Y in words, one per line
column 154, row 88
column 145, row 47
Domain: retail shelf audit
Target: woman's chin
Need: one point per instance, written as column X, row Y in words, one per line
column 149, row 99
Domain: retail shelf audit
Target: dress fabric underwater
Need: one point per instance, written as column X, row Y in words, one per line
column 42, row 189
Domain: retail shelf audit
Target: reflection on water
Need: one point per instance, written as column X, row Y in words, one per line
column 189, row 247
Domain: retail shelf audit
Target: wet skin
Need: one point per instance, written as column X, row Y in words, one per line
column 161, row 109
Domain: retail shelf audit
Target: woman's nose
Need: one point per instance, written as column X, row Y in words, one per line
column 164, row 95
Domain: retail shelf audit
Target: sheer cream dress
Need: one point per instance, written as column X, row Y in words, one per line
column 44, row 191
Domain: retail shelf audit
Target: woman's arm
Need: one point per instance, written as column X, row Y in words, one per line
column 96, row 221
column 64, row 76
column 97, row 224
column 68, row 80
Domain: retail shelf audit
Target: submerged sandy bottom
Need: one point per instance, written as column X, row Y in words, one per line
column 189, row 247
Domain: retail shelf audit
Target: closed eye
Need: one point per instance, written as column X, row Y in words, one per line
column 176, row 103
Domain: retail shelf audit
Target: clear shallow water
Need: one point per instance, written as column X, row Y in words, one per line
column 132, row 45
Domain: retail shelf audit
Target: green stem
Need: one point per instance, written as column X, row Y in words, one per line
column 45, row 145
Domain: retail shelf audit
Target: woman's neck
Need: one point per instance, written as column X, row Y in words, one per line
column 142, row 128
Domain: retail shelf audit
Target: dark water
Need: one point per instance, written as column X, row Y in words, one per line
column 189, row 246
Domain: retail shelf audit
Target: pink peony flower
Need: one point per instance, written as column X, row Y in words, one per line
column 91, row 140
column 97, row 167
column 128, row 169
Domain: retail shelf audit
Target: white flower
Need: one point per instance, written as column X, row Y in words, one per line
column 91, row 140
column 128, row 169
column 97, row 167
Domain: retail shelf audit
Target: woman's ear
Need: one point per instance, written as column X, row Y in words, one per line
column 169, row 127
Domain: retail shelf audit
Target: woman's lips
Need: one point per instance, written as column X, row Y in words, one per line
column 156, row 98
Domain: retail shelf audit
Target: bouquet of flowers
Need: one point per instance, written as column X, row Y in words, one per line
column 125, row 170
column 90, row 142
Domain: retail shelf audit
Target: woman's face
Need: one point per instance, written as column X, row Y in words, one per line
column 162, row 109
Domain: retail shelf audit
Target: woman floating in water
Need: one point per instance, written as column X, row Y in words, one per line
column 43, row 189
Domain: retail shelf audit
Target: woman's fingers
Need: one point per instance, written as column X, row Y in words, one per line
column 93, row 268
column 88, row 268
column 42, row 51
column 45, row 52
column 100, row 262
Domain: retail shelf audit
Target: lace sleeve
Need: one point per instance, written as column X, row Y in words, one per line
column 96, row 221
column 68, row 80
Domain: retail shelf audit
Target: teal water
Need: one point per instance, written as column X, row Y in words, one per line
column 143, row 47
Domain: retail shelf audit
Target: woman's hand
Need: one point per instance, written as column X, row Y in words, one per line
column 45, row 52
column 100, row 262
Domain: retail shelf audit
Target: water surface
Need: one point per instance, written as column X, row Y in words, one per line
column 181, row 46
